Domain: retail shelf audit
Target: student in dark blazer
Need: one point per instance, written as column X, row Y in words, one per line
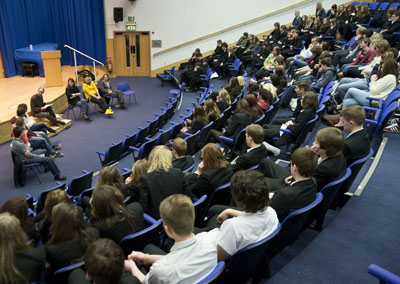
column 357, row 144
column 309, row 103
column 212, row 172
column 160, row 181
column 296, row 21
column 256, row 151
column 70, row 236
column 22, row 264
column 223, row 100
column 198, row 122
column 392, row 28
column 299, row 189
column 109, row 215
column 181, row 160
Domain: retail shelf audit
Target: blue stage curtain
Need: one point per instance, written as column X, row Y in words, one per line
column 77, row 23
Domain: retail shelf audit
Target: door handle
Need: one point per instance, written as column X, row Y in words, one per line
column 133, row 49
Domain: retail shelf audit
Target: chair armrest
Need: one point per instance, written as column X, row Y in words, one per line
column 173, row 123
column 113, row 143
column 134, row 148
column 125, row 170
column 147, row 139
column 140, row 128
column 226, row 139
column 85, row 171
column 371, row 121
column 374, row 99
column 59, row 183
column 148, row 121
column 287, row 131
column 100, row 153
column 371, row 108
column 188, row 109
column 162, row 130
column 149, row 219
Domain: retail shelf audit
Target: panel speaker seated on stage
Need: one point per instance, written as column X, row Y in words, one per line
column 41, row 109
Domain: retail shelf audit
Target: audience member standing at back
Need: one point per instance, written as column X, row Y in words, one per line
column 160, row 181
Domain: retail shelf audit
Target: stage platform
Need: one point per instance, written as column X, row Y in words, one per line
column 19, row 89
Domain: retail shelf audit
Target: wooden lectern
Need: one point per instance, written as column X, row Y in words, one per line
column 52, row 68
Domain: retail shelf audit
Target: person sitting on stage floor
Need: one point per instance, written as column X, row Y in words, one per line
column 191, row 258
column 92, row 94
column 106, row 90
column 24, row 153
column 357, row 144
column 29, row 122
column 75, row 99
column 256, row 151
column 328, row 145
column 36, row 141
column 255, row 221
column 181, row 161
column 299, row 189
column 41, row 109
column 104, row 264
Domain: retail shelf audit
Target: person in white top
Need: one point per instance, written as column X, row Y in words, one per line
column 191, row 258
column 378, row 88
column 250, row 191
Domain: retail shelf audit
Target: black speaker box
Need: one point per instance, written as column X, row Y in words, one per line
column 118, row 14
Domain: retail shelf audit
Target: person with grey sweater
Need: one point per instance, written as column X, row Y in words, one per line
column 27, row 157
column 106, row 90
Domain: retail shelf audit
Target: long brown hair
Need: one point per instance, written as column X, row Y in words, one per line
column 198, row 111
column 243, row 106
column 53, row 198
column 213, row 157
column 139, row 169
column 18, row 207
column 68, row 224
column 211, row 107
column 107, row 204
column 12, row 238
column 390, row 66
column 110, row 176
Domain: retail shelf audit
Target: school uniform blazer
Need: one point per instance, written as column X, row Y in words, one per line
column 237, row 122
column 393, row 27
column 250, row 159
column 197, row 124
column 290, row 198
column 330, row 170
column 183, row 163
column 31, row 262
column 356, row 147
column 210, row 180
column 158, row 185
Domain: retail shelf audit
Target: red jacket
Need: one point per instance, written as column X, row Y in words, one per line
column 364, row 59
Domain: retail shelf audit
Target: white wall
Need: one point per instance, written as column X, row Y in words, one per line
column 178, row 21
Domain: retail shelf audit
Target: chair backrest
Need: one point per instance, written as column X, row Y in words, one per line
column 163, row 137
column 383, row 275
column 141, row 136
column 79, row 184
column 261, row 120
column 268, row 114
column 394, row 5
column 129, row 141
column 373, row 6
column 221, row 195
column 210, row 278
column 43, row 195
column 292, row 226
column 200, row 207
column 61, row 275
column 173, row 70
column 87, row 192
column 113, row 154
column 393, row 96
column 383, row 6
column 162, row 119
column 243, row 264
column 191, row 142
column 123, row 86
column 152, row 127
column 383, row 118
column 137, row 241
column 145, row 149
column 204, row 135
column 176, row 128
column 239, row 142
column 304, row 132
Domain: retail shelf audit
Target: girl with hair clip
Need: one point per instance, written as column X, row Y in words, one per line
column 19, row 263
column 160, row 181
column 109, row 215
column 70, row 236
column 213, row 171
column 211, row 110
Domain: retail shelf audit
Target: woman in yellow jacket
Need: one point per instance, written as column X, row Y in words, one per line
column 92, row 94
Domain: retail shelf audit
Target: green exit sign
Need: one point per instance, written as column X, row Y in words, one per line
column 131, row 28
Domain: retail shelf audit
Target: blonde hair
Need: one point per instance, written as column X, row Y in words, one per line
column 241, row 81
column 271, row 88
column 375, row 38
column 224, row 95
column 12, row 238
column 160, row 158
column 177, row 212
column 139, row 169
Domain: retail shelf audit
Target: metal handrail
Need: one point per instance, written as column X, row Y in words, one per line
column 87, row 56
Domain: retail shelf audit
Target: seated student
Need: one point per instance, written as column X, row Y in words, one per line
column 19, row 263
column 223, row 100
column 212, row 172
column 250, row 191
column 111, row 176
column 357, row 144
column 269, row 63
column 191, row 258
column 309, row 103
column 74, row 98
column 24, row 153
column 296, row 90
column 39, row 141
column 198, row 122
column 160, row 181
column 298, row 190
column 256, row 151
column 191, row 77
column 104, row 264
column 324, row 75
column 30, row 123
column 41, row 109
column 253, row 103
column 70, row 236
column 181, row 161
column 18, row 207
column 328, row 145
column 106, row 90
column 92, row 94
column 109, row 215
column 139, row 169
column 212, row 111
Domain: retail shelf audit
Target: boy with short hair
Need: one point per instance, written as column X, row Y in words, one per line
column 181, row 161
